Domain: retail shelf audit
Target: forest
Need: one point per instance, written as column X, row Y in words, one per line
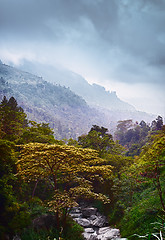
column 121, row 175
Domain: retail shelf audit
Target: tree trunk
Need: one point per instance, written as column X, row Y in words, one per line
column 35, row 188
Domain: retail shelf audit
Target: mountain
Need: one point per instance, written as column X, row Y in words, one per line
column 112, row 108
column 68, row 114
column 95, row 95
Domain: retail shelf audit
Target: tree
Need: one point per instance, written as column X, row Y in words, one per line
column 12, row 119
column 132, row 136
column 98, row 139
column 151, row 164
column 13, row 214
column 157, row 124
column 37, row 132
column 70, row 172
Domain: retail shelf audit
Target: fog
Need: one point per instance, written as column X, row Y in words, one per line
column 119, row 44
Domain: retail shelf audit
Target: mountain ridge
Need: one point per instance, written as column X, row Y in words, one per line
column 67, row 113
column 94, row 94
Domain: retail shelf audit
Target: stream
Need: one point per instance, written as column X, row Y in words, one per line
column 95, row 224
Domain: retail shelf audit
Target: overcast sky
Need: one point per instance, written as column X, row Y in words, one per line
column 119, row 44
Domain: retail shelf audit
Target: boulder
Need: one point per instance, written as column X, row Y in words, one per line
column 99, row 222
column 93, row 217
column 83, row 222
column 108, row 233
column 87, row 212
column 89, row 230
column 76, row 215
column 103, row 230
column 76, row 210
column 121, row 239
column 89, row 236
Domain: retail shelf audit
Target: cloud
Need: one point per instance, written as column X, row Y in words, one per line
column 120, row 41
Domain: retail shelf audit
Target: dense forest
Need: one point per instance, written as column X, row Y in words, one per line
column 122, row 175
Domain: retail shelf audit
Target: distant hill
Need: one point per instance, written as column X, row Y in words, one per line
column 68, row 114
column 94, row 94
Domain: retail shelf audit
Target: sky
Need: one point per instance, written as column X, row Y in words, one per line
column 119, row 44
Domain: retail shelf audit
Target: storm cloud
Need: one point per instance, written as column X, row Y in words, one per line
column 119, row 44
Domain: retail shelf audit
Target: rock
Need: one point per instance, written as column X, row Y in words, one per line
column 93, row 217
column 89, row 236
column 76, row 215
column 87, row 212
column 76, row 210
column 16, row 237
column 83, row 222
column 121, row 239
column 108, row 233
column 103, row 230
column 99, row 222
column 93, row 237
column 89, row 230
column 95, row 225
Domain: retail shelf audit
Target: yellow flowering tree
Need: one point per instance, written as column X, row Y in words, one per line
column 69, row 170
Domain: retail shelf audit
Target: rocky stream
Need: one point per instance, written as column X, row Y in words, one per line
column 95, row 225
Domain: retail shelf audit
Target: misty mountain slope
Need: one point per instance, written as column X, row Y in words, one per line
column 67, row 113
column 112, row 108
column 94, row 94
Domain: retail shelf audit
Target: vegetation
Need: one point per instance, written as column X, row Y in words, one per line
column 41, row 176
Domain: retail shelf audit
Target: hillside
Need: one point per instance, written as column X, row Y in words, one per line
column 112, row 108
column 68, row 114
column 95, row 95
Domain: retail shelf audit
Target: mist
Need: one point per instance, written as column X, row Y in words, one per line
column 118, row 44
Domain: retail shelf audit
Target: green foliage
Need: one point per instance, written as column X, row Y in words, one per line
column 157, row 124
column 151, row 165
column 37, row 132
column 134, row 136
column 36, row 207
column 98, row 139
column 31, row 234
column 13, row 214
column 72, row 230
column 138, row 218
column 12, row 120
column 140, row 191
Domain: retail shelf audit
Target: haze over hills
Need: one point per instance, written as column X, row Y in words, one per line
column 68, row 114
column 94, row 94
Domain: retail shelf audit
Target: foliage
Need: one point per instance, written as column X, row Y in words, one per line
column 31, row 234
column 134, row 136
column 157, row 124
column 156, row 231
column 70, row 172
column 72, row 230
column 12, row 119
column 141, row 189
column 98, row 139
column 37, row 132
column 13, row 214
column 151, row 164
